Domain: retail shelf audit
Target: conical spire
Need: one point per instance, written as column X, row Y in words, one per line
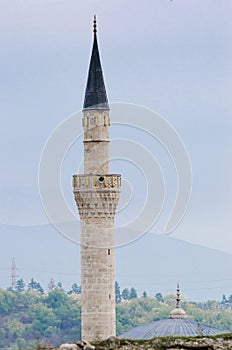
column 95, row 93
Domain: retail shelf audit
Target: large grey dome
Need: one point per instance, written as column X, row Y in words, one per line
column 168, row 327
column 178, row 324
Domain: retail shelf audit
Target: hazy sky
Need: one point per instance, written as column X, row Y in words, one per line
column 173, row 57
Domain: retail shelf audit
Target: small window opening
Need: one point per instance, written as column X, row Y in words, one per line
column 108, row 251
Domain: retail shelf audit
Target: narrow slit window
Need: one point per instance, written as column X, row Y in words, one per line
column 108, row 251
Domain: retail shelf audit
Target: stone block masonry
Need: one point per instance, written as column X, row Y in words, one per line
column 96, row 194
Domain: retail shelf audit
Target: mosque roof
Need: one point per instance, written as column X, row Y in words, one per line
column 178, row 324
column 169, row 327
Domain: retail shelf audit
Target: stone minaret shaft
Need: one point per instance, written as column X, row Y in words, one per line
column 96, row 194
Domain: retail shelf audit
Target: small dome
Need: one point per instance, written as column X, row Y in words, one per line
column 178, row 312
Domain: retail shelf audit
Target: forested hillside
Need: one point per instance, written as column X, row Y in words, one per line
column 28, row 317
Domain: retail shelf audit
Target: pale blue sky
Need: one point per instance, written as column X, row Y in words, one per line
column 170, row 56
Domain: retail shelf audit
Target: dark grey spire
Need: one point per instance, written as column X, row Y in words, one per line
column 95, row 93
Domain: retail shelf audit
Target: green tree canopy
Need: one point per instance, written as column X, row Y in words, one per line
column 144, row 294
column 126, row 294
column 75, row 289
column 20, row 285
column 159, row 297
column 35, row 285
column 56, row 298
column 133, row 293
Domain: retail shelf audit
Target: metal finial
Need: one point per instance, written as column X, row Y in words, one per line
column 178, row 296
column 94, row 25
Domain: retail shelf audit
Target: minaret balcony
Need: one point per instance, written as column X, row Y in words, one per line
column 96, row 181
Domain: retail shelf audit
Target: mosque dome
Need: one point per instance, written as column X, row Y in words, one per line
column 171, row 327
column 178, row 313
column 178, row 324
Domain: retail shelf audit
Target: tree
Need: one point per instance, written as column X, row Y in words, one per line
column 159, row 297
column 20, row 285
column 59, row 285
column 224, row 300
column 39, row 288
column 32, row 284
column 118, row 297
column 28, row 316
column 7, row 302
column 56, row 298
column 133, row 293
column 75, row 289
column 126, row 294
column 144, row 294
column 43, row 317
column 15, row 329
column 212, row 304
column 35, row 285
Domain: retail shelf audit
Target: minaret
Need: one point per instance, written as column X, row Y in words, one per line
column 96, row 194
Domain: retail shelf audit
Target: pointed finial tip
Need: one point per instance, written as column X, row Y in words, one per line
column 94, row 24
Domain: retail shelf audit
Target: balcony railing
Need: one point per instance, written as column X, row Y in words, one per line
column 95, row 181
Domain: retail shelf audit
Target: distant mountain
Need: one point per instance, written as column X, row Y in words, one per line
column 153, row 263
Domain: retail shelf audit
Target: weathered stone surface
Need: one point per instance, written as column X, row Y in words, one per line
column 81, row 345
column 68, row 347
column 96, row 194
column 96, row 142
column 223, row 342
column 171, row 343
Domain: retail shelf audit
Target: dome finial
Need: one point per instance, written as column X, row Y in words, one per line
column 178, row 312
column 178, row 295
column 94, row 25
